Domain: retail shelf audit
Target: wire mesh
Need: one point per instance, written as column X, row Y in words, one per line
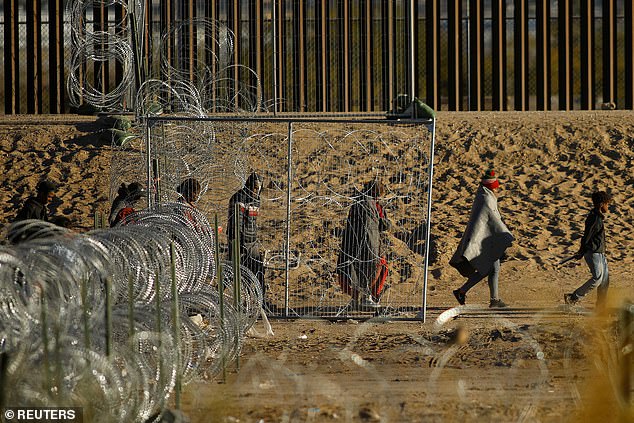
column 328, row 165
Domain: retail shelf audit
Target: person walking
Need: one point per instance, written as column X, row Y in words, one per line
column 483, row 243
column 246, row 202
column 592, row 249
column 35, row 207
column 189, row 191
column 361, row 265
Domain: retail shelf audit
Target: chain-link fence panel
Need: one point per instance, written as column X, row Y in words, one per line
column 337, row 225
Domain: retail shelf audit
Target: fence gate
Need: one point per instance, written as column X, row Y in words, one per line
column 313, row 171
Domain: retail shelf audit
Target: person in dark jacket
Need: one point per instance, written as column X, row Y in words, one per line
column 125, row 202
column 246, row 202
column 189, row 191
column 361, row 264
column 35, row 207
column 592, row 249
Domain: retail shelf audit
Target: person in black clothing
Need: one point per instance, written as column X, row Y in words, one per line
column 125, row 202
column 592, row 249
column 189, row 191
column 35, row 206
column 361, row 264
column 246, row 202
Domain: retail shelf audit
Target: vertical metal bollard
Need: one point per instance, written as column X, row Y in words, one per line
column 221, row 289
column 176, row 328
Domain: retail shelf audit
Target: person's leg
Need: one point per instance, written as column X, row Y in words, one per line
column 595, row 263
column 252, row 260
column 471, row 282
column 494, row 275
column 461, row 292
column 352, row 281
column 366, row 271
column 602, row 289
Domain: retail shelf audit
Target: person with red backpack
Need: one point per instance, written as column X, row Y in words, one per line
column 361, row 265
column 246, row 203
column 123, row 205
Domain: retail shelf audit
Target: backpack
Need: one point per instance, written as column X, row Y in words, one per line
column 121, row 216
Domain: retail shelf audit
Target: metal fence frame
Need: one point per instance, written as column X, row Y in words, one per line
column 288, row 310
column 358, row 55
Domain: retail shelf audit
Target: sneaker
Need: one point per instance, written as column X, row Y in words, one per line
column 460, row 296
column 368, row 302
column 497, row 303
column 570, row 299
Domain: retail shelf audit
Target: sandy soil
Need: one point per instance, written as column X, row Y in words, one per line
column 482, row 369
column 320, row 371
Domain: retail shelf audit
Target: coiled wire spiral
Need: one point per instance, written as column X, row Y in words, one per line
column 88, row 319
column 99, row 45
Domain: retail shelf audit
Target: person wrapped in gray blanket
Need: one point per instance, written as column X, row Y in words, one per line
column 483, row 243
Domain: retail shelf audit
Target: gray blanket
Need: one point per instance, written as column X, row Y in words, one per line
column 485, row 239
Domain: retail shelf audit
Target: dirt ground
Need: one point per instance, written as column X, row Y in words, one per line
column 539, row 362
column 540, row 368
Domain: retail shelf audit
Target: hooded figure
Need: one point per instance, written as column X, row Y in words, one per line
column 483, row 243
column 189, row 191
column 124, row 203
column 35, row 206
column 246, row 202
column 361, row 265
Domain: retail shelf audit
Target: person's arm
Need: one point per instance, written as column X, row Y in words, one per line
column 384, row 222
column 590, row 231
column 355, row 231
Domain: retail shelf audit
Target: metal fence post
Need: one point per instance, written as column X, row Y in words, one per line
column 428, row 218
column 235, row 261
column 289, row 180
column 148, row 162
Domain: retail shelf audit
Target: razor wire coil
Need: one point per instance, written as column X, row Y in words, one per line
column 54, row 317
